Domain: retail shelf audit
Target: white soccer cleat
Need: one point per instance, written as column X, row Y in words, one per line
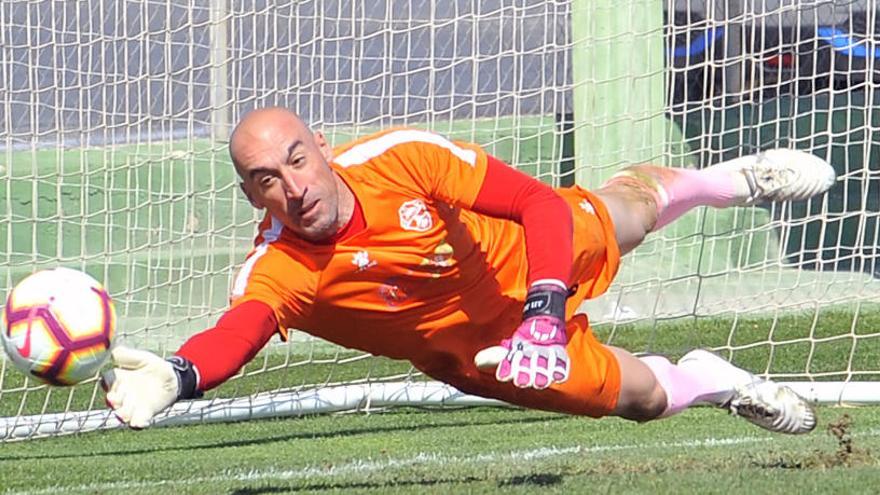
column 773, row 407
column 782, row 175
column 765, row 403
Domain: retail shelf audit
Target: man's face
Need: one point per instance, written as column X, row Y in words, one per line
column 284, row 169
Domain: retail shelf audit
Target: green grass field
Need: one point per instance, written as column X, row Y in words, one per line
column 482, row 450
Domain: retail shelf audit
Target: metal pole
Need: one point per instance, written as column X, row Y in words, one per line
column 220, row 105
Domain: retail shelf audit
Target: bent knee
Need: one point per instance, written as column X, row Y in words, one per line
column 643, row 406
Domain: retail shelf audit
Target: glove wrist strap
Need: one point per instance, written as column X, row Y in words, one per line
column 187, row 378
column 545, row 300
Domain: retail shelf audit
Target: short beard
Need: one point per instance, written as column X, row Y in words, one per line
column 318, row 233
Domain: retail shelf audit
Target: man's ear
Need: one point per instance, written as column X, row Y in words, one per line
column 324, row 146
column 249, row 197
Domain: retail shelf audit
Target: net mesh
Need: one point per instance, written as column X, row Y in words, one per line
column 114, row 118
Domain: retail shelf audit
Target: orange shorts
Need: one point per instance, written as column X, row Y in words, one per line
column 594, row 383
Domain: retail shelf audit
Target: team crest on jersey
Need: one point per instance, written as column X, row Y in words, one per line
column 414, row 215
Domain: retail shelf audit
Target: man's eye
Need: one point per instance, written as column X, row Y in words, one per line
column 267, row 180
column 297, row 161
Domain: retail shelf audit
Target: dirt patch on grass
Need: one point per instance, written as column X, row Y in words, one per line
column 846, row 453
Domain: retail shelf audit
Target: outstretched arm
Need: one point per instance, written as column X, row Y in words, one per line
column 239, row 335
column 143, row 384
column 534, row 356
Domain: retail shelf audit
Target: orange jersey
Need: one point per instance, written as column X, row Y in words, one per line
column 427, row 280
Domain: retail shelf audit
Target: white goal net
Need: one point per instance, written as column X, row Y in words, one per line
column 114, row 118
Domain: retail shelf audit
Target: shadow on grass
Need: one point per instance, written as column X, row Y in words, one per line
column 537, row 479
column 531, row 480
column 291, row 437
column 354, row 486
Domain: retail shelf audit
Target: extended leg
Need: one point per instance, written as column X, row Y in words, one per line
column 667, row 389
column 652, row 387
column 644, row 198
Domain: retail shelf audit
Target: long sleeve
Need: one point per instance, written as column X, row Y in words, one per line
column 544, row 215
column 218, row 353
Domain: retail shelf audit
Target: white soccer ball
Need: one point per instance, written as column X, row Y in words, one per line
column 59, row 326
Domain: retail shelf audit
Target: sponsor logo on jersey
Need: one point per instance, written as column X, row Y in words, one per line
column 362, row 261
column 586, row 206
column 439, row 260
column 414, row 215
column 393, row 291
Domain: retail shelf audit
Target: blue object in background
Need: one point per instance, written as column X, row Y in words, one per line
column 699, row 45
column 844, row 42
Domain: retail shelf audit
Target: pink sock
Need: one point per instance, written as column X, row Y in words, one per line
column 678, row 190
column 685, row 387
column 690, row 188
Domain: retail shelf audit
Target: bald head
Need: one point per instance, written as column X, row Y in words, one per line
column 262, row 128
column 284, row 168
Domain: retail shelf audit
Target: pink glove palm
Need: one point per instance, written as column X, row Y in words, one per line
column 534, row 356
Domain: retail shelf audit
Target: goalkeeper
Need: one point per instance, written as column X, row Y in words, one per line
column 407, row 245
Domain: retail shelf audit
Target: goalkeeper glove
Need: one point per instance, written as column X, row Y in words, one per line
column 535, row 356
column 143, row 384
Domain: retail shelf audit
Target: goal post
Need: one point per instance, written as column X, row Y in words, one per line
column 618, row 86
column 220, row 100
column 114, row 120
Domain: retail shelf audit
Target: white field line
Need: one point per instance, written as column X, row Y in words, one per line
column 426, row 459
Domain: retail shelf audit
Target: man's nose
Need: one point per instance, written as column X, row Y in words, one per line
column 291, row 188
